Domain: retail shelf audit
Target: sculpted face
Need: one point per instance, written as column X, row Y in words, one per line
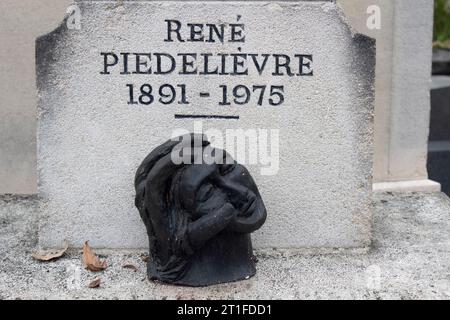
column 208, row 188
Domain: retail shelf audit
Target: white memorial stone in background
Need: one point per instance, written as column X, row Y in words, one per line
column 287, row 70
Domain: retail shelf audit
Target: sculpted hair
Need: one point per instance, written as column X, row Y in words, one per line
column 157, row 199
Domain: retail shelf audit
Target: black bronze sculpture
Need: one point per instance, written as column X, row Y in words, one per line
column 199, row 215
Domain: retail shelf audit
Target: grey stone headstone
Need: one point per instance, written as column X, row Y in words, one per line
column 91, row 140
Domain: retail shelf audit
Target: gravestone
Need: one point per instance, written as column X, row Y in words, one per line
column 291, row 76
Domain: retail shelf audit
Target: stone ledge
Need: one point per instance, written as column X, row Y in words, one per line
column 407, row 186
column 409, row 259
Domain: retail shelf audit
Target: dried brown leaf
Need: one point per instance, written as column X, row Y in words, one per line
column 49, row 255
column 91, row 261
column 131, row 266
column 95, row 284
column 145, row 257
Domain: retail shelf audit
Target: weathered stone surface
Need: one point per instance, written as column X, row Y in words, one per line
column 409, row 259
column 91, row 141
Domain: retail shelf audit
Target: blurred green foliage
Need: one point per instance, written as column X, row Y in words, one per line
column 441, row 35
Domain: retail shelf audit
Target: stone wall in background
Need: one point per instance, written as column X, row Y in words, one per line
column 20, row 23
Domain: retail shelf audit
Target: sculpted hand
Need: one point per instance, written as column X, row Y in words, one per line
column 209, row 225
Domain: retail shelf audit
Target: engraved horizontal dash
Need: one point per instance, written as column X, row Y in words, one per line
column 205, row 116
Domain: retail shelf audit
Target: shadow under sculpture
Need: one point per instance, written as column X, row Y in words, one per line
column 198, row 216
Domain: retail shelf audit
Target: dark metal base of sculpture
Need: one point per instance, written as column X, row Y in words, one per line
column 198, row 213
column 218, row 262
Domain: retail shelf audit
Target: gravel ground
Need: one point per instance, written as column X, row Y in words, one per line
column 409, row 259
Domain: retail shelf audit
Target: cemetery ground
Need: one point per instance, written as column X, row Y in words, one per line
column 409, row 259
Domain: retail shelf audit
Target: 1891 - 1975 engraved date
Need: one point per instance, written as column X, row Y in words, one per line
column 167, row 94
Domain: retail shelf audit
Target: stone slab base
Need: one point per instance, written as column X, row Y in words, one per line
column 409, row 259
column 407, row 186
